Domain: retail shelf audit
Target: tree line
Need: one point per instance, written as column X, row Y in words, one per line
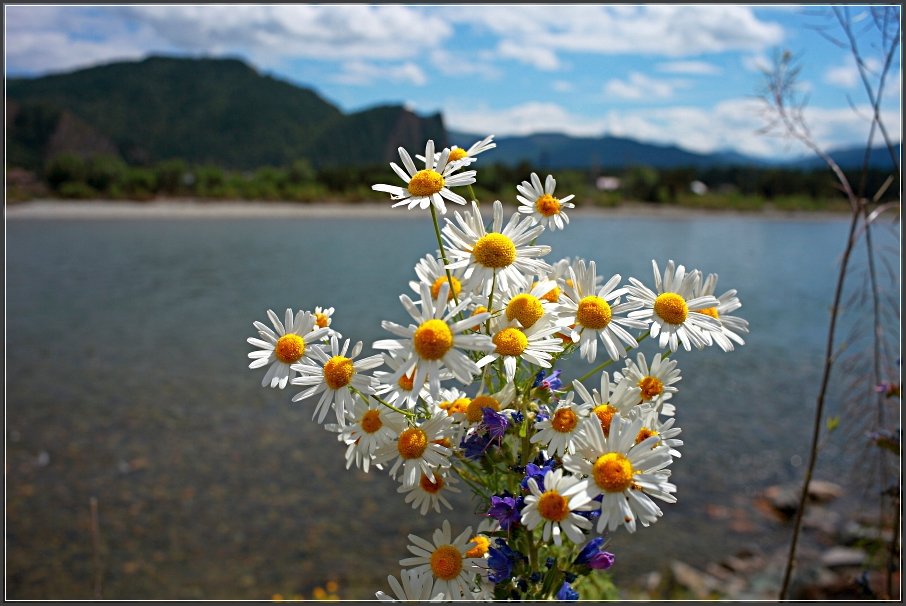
column 72, row 176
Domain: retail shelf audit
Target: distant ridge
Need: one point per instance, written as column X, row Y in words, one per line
column 217, row 111
column 223, row 112
column 558, row 151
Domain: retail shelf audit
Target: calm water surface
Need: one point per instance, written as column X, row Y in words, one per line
column 128, row 382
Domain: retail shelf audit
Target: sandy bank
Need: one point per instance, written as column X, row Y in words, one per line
column 176, row 209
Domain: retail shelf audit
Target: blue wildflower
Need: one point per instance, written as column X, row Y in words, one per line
column 567, row 593
column 501, row 560
column 475, row 445
column 537, row 472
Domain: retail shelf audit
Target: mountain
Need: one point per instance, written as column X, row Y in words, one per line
column 852, row 158
column 558, row 151
column 218, row 111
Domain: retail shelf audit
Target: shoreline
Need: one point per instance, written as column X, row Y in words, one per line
column 243, row 209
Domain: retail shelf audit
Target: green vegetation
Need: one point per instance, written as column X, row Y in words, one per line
column 741, row 189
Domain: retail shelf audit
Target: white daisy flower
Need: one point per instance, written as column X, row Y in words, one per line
column 595, row 313
column 430, row 270
column 428, row 493
column 626, row 473
column 294, row 340
column 554, row 510
column 541, row 204
column 656, row 384
column 335, row 379
column 418, row 449
column 503, row 256
column 414, row 587
column 559, row 432
column 435, row 342
column 372, row 425
column 467, row 156
column 430, row 185
column 730, row 326
column 495, row 401
column 324, row 319
column 512, row 342
column 532, row 303
column 665, row 431
column 444, row 561
column 667, row 310
column 402, row 393
column 611, row 399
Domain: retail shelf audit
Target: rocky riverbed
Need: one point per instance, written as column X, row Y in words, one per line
column 838, row 558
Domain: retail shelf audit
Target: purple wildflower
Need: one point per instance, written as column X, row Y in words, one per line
column 494, row 422
column 506, row 509
column 594, row 557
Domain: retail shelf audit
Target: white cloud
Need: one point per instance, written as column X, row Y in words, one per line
column 458, row 64
column 522, row 119
column 846, row 74
column 639, row 86
column 728, row 125
column 698, row 68
column 530, row 54
column 665, row 30
column 364, row 73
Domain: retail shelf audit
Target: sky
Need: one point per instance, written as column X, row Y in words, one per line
column 687, row 75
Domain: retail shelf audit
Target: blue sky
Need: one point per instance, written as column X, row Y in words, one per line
column 687, row 75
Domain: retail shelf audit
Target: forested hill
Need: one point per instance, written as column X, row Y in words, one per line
column 203, row 111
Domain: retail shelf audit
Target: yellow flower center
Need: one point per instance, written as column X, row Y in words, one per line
column 552, row 295
column 457, row 153
column 564, row 420
column 371, row 421
column 651, row 387
column 612, row 472
column 644, row 434
column 435, row 288
column 710, row 311
column 412, row 443
column 425, row 183
column 605, row 413
column 547, row 205
column 525, row 308
column 322, row 320
column 510, row 342
column 338, row 372
column 671, row 308
column 405, row 382
column 456, row 406
column 594, row 312
column 494, row 250
column 429, row 486
column 552, row 506
column 446, row 562
column 289, row 348
column 473, row 411
column 433, row 339
column 478, row 310
column 481, row 546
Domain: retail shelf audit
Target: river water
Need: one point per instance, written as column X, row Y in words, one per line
column 127, row 381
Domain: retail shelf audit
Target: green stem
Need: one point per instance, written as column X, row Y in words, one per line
column 443, row 254
column 472, row 194
column 606, row 363
column 407, row 413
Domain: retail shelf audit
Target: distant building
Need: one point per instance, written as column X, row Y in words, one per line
column 608, row 183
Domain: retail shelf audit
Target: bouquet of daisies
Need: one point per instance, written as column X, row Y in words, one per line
column 467, row 394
